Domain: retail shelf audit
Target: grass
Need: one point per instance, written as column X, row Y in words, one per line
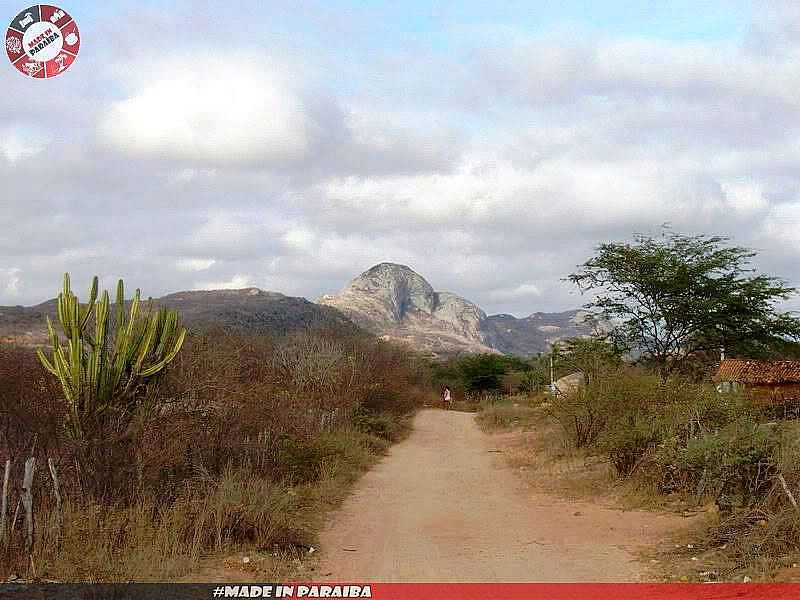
column 240, row 513
column 511, row 412
column 721, row 476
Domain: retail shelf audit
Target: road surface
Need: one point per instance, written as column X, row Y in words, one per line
column 442, row 506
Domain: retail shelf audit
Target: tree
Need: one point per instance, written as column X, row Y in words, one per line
column 483, row 372
column 589, row 356
column 676, row 296
column 107, row 368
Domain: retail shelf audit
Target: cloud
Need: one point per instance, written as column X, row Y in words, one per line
column 493, row 167
column 21, row 142
column 10, row 281
column 194, row 264
column 231, row 111
column 524, row 291
column 234, row 283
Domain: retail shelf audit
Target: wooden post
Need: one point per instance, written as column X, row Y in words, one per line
column 56, row 493
column 787, row 490
column 14, row 519
column 27, row 502
column 4, row 502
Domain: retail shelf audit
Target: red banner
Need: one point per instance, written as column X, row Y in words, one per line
column 556, row 591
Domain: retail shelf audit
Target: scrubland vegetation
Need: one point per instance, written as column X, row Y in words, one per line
column 647, row 424
column 677, row 445
column 239, row 443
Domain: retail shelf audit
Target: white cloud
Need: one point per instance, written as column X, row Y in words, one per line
column 227, row 111
column 493, row 171
column 10, row 281
column 746, row 198
column 194, row 264
column 525, row 291
column 18, row 143
column 299, row 238
column 236, row 282
column 783, row 225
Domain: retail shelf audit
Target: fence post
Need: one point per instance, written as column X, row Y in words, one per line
column 4, row 501
column 27, row 502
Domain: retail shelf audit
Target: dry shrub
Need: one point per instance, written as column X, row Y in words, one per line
column 246, row 441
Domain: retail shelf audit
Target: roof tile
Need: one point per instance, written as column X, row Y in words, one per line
column 757, row 372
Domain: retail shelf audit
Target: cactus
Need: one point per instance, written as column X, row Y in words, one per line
column 107, row 360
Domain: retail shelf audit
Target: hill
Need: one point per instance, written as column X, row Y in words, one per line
column 395, row 302
column 246, row 310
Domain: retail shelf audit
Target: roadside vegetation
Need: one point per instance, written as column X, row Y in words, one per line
column 647, row 425
column 151, row 449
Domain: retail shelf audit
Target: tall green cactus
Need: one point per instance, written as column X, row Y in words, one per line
column 103, row 370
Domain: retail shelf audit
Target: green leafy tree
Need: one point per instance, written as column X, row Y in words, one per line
column 483, row 372
column 674, row 297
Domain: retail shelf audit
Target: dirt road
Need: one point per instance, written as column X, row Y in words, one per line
column 443, row 507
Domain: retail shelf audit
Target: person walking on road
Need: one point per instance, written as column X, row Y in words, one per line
column 447, row 398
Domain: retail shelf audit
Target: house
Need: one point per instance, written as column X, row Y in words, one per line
column 774, row 382
column 569, row 384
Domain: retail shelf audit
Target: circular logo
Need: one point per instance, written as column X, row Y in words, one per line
column 42, row 41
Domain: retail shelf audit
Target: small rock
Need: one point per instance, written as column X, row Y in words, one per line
column 311, row 550
column 762, row 523
column 577, row 513
column 246, row 559
column 690, row 546
column 695, row 558
column 746, row 579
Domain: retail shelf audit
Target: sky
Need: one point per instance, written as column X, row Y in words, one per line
column 489, row 146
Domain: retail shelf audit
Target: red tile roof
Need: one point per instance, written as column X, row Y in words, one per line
column 758, row 372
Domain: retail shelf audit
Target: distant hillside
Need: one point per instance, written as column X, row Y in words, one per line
column 247, row 310
column 389, row 300
column 397, row 303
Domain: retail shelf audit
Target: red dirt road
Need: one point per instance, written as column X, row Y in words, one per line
column 443, row 507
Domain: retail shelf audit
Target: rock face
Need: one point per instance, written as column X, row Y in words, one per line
column 397, row 303
column 393, row 301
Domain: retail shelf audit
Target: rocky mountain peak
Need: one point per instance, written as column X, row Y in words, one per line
column 398, row 287
column 396, row 302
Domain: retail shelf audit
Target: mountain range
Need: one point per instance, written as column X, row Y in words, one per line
column 388, row 300
column 395, row 302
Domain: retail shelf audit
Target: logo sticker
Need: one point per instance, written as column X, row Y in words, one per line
column 42, row 41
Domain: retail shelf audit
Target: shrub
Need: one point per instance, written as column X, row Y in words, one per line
column 251, row 438
column 735, row 465
column 613, row 396
column 625, row 447
column 382, row 426
column 508, row 415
